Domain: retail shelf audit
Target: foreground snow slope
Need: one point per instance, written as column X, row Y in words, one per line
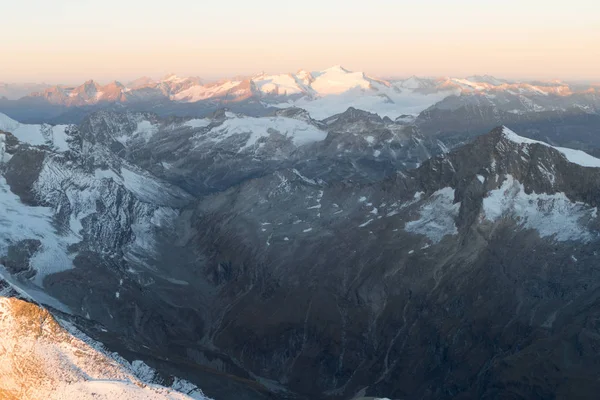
column 39, row 359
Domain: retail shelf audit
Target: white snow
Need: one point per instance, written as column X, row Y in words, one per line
column 144, row 131
column 107, row 174
column 574, row 156
column 325, row 93
column 335, row 89
column 56, row 183
column 109, row 390
column 304, row 178
column 336, row 80
column 19, row 222
column 436, row 216
column 412, row 83
column 552, row 215
column 579, row 157
column 4, row 156
column 36, row 135
column 299, row 132
column 145, row 242
column 307, row 230
column 282, row 84
column 198, row 123
column 385, row 102
column 148, row 188
column 481, row 178
column 465, row 83
column 203, row 92
column 365, row 224
column 42, row 360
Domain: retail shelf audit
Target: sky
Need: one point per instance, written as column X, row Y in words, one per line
column 68, row 41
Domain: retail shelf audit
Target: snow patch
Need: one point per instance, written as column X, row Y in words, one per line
column 198, row 123
column 36, row 135
column 20, row 222
column 365, row 224
column 299, row 132
column 144, row 131
column 552, row 215
column 436, row 217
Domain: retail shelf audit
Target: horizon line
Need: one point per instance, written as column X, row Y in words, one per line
column 211, row 78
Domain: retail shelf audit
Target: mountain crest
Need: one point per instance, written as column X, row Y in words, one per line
column 538, row 166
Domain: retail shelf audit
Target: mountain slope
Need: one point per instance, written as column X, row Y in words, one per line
column 461, row 277
column 458, row 249
column 224, row 149
column 39, row 359
column 86, row 233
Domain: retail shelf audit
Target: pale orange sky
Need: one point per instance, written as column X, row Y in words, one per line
column 73, row 40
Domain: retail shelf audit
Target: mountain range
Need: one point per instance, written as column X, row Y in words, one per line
column 321, row 93
column 284, row 255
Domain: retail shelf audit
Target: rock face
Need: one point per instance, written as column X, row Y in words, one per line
column 565, row 120
column 284, row 257
column 412, row 286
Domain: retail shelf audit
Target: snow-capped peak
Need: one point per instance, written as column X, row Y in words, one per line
column 172, row 78
column 486, row 79
column 414, row 82
column 336, row 68
column 574, row 156
column 336, row 80
column 282, row 84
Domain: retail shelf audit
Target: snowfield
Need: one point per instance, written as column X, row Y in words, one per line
column 299, row 132
column 36, row 135
column 20, row 222
column 552, row 215
column 436, row 216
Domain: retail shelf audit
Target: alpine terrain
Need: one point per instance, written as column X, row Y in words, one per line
column 318, row 249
